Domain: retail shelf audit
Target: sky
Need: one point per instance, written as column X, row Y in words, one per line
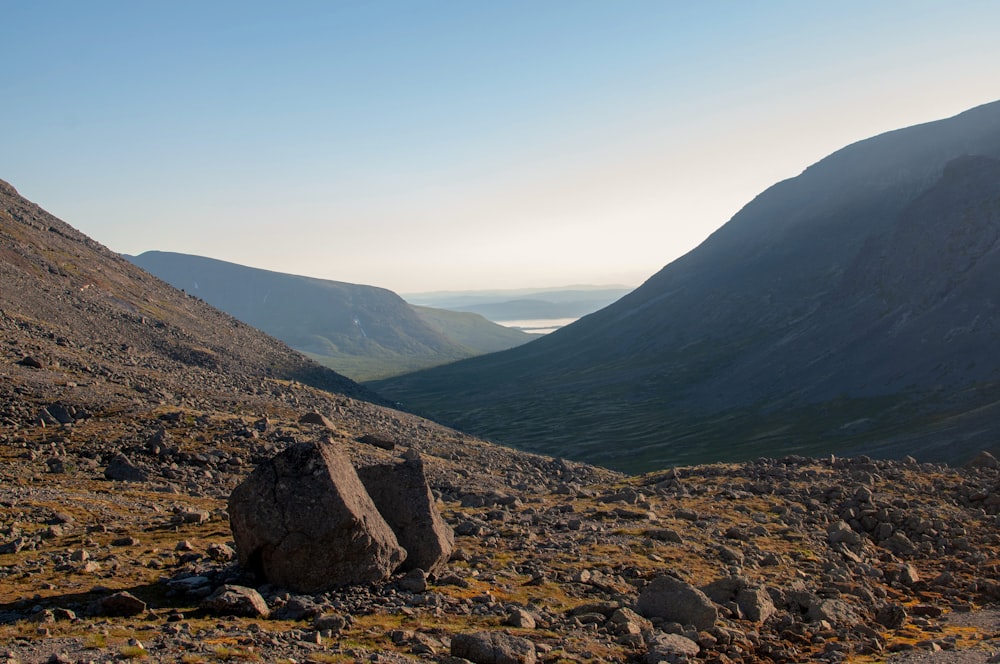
column 428, row 145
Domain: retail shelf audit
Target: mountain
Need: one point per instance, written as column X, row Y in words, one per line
column 361, row 331
column 851, row 309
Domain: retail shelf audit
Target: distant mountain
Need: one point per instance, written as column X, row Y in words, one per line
column 851, row 309
column 361, row 331
column 513, row 305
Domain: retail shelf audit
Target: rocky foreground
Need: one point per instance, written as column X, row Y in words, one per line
column 115, row 544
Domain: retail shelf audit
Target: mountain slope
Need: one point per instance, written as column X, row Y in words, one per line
column 116, row 321
column 361, row 331
column 794, row 328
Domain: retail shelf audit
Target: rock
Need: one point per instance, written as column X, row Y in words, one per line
column 891, row 616
column 493, row 648
column 414, row 581
column 316, row 418
column 122, row 603
column 60, row 413
column 908, row 575
column 230, row 600
column 221, row 552
column 670, row 648
column 333, row 622
column 625, row 621
column 842, row 532
column 303, row 521
column 672, row 599
column 379, row 441
column 519, row 617
column 29, row 361
column 193, row 516
column 833, row 611
column 899, row 544
column 983, row 460
column 403, row 497
column 755, row 604
column 122, row 469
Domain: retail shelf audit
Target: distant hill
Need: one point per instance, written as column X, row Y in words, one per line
column 851, row 309
column 361, row 331
column 522, row 304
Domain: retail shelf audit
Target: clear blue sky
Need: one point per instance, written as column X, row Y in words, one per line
column 457, row 144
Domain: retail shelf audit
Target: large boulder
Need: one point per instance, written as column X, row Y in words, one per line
column 402, row 495
column 303, row 521
column 671, row 599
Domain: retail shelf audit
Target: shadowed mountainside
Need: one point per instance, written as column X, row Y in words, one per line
column 361, row 331
column 845, row 310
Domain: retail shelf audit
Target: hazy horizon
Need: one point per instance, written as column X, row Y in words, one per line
column 448, row 146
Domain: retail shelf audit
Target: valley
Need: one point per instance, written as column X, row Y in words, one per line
column 847, row 310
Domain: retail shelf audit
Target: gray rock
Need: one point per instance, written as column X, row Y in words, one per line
column 755, row 603
column 122, row 469
column 304, row 521
column 316, row 418
column 493, row 648
column 983, row 460
column 414, row 581
column 842, row 532
column 892, row 616
column 403, row 497
column 834, row 611
column 671, row 599
column 379, row 441
column 236, row 601
column 670, row 648
column 121, row 604
column 519, row 617
column 899, row 544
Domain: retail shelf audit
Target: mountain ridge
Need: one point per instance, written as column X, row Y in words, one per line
column 363, row 331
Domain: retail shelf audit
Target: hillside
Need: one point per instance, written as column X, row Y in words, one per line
column 361, row 331
column 844, row 310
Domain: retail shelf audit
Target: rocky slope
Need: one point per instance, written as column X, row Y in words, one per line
column 130, row 411
column 846, row 310
column 361, row 331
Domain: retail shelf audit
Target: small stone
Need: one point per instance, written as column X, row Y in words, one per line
column 518, row 617
column 121, row 604
column 232, row 600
